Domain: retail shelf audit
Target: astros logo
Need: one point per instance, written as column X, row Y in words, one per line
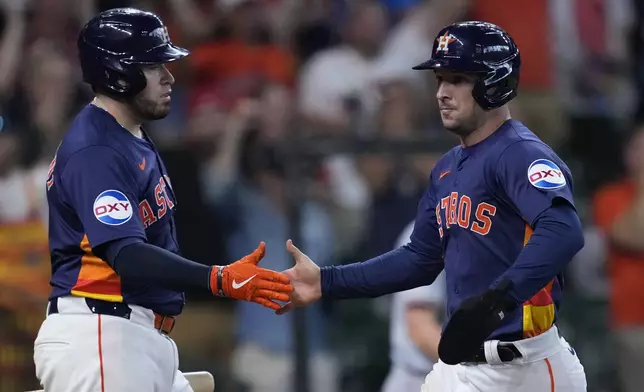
column 545, row 174
column 444, row 41
column 112, row 208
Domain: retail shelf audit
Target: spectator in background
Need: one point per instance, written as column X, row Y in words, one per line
column 58, row 21
column 39, row 113
column 334, row 85
column 619, row 212
column 190, row 22
column 14, row 26
column 242, row 59
column 233, row 57
column 48, row 97
column 18, row 190
column 589, row 42
column 334, row 100
column 410, row 40
column 245, row 181
column 394, row 183
column 312, row 26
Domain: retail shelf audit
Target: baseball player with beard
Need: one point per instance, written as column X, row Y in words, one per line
column 498, row 216
column 118, row 279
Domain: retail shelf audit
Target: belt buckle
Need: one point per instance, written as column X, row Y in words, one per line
column 507, row 353
column 160, row 323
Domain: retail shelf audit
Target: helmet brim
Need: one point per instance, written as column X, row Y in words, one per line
column 159, row 55
column 431, row 64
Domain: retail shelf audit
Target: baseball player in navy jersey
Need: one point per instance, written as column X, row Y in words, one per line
column 117, row 276
column 498, row 216
column 414, row 331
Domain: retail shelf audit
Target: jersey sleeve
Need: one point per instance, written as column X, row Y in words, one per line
column 531, row 176
column 425, row 238
column 98, row 185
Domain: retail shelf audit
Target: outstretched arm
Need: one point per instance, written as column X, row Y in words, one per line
column 98, row 177
column 400, row 269
column 415, row 264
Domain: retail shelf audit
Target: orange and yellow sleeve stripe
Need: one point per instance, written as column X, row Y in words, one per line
column 538, row 311
column 96, row 278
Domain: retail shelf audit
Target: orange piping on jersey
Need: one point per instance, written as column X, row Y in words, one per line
column 527, row 234
column 552, row 376
column 100, row 353
column 538, row 311
column 96, row 278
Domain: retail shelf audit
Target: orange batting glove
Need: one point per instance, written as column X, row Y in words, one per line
column 244, row 280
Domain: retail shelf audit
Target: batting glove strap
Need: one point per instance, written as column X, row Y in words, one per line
column 220, row 281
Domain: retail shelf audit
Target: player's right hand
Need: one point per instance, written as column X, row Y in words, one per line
column 305, row 277
column 244, row 280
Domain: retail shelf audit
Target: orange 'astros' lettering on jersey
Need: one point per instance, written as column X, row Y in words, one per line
column 457, row 210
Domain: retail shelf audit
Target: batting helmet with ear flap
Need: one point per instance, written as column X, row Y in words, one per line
column 479, row 48
column 114, row 45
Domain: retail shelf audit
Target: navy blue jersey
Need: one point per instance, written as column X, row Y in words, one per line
column 105, row 184
column 480, row 210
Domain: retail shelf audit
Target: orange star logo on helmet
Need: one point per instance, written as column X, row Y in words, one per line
column 444, row 41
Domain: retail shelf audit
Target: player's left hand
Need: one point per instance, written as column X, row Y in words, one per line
column 473, row 322
column 244, row 280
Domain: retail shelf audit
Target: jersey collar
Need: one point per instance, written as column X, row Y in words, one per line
column 488, row 141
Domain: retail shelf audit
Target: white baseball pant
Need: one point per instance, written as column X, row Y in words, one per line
column 77, row 350
column 548, row 364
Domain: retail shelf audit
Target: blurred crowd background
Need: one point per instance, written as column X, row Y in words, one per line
column 270, row 78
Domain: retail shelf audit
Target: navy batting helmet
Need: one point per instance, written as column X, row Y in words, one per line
column 115, row 43
column 479, row 48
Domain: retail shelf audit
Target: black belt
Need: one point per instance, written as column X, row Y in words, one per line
column 162, row 323
column 508, row 352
